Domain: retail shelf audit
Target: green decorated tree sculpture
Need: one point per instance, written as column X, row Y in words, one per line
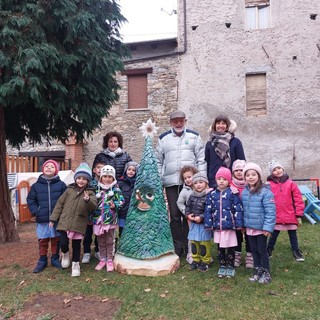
column 146, row 245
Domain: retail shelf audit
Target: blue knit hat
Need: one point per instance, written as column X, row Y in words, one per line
column 83, row 171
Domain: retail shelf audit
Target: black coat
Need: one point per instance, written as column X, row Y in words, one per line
column 117, row 162
column 43, row 196
column 126, row 187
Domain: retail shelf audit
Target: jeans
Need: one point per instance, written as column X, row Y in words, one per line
column 240, row 237
column 178, row 223
column 260, row 254
column 292, row 237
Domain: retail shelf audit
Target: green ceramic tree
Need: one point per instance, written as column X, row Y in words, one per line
column 147, row 232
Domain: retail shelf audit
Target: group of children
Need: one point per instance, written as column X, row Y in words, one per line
column 241, row 208
column 86, row 207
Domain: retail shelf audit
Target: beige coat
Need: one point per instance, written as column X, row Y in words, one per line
column 72, row 212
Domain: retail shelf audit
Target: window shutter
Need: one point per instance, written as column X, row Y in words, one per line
column 137, row 91
column 256, row 95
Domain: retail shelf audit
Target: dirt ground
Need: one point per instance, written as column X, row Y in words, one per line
column 73, row 307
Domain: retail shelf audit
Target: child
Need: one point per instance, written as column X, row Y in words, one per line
column 238, row 183
column 259, row 220
column 186, row 175
column 224, row 214
column 41, row 200
column 199, row 237
column 71, row 212
column 289, row 208
column 87, row 240
column 126, row 185
column 105, row 217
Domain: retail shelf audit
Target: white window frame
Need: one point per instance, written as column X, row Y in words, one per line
column 257, row 16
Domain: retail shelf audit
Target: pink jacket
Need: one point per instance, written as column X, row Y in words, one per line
column 288, row 200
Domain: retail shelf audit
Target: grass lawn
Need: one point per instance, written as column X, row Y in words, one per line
column 293, row 294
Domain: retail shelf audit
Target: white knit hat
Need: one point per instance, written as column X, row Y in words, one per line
column 274, row 164
column 238, row 165
column 108, row 171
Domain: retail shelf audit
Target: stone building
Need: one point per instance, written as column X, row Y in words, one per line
column 258, row 61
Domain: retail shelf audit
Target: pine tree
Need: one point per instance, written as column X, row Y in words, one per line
column 58, row 62
column 147, row 232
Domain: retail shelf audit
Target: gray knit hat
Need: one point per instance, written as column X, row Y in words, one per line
column 199, row 176
column 131, row 164
column 274, row 164
column 83, row 171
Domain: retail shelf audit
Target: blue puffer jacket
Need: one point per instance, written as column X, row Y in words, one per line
column 43, row 196
column 223, row 211
column 259, row 209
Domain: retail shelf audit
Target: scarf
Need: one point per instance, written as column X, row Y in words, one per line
column 220, row 142
column 239, row 183
column 114, row 153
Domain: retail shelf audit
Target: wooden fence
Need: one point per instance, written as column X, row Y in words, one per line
column 17, row 163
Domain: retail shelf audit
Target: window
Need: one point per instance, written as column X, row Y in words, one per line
column 257, row 14
column 256, row 95
column 137, row 87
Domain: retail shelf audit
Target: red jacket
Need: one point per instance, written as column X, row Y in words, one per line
column 288, row 200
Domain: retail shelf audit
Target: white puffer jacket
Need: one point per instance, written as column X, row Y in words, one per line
column 174, row 152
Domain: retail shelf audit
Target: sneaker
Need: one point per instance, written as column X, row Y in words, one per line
column 298, row 255
column 97, row 255
column 222, row 272
column 75, row 269
column 100, row 265
column 110, row 267
column 203, row 267
column 257, row 273
column 249, row 260
column 269, row 252
column 42, row 263
column 265, row 277
column 65, row 260
column 237, row 259
column 86, row 258
column 194, row 266
column 230, row 272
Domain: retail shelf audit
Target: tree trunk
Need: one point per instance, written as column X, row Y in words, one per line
column 8, row 230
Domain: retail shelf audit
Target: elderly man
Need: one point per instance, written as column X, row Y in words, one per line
column 176, row 148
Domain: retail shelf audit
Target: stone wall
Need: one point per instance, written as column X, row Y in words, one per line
column 162, row 98
column 212, row 74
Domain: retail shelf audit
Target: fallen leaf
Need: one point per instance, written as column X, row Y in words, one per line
column 183, row 277
column 88, row 280
column 163, row 295
column 166, row 291
column 66, row 301
column 295, row 293
column 147, row 290
column 105, row 300
column 21, row 283
column 104, row 279
column 286, row 270
column 78, row 298
column 273, row 293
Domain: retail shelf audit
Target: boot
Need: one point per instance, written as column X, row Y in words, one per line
column 249, row 260
column 65, row 261
column 257, row 274
column 42, row 263
column 75, row 269
column 237, row 259
column 55, row 261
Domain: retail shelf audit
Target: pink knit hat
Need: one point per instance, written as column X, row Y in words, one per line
column 55, row 163
column 224, row 173
column 238, row 165
column 252, row 166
